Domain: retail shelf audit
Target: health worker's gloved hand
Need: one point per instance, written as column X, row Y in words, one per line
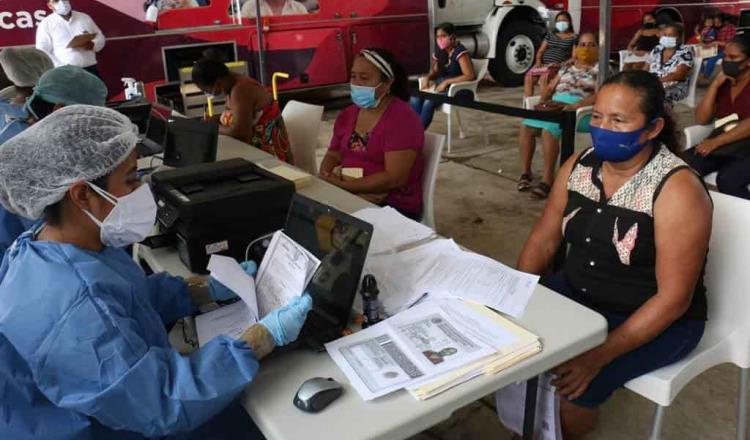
column 286, row 322
column 220, row 292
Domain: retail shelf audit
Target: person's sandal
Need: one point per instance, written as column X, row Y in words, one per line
column 524, row 182
column 541, row 191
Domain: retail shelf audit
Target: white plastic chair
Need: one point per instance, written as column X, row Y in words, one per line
column 302, row 123
column 692, row 83
column 693, row 136
column 727, row 335
column 480, row 70
column 8, row 93
column 530, row 102
column 431, row 153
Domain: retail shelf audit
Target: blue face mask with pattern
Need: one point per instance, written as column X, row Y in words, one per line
column 363, row 96
column 617, row 146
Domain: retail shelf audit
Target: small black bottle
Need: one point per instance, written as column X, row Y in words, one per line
column 370, row 307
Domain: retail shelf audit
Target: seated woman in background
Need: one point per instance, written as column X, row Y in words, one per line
column 620, row 210
column 643, row 42
column 556, row 49
column 376, row 149
column 729, row 93
column 451, row 64
column 672, row 62
column 271, row 8
column 572, row 88
column 251, row 115
column 725, row 32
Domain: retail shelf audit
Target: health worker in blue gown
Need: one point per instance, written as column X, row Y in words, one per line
column 83, row 349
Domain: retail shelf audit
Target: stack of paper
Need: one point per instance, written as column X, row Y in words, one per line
column 512, row 343
column 441, row 268
column 300, row 178
column 431, row 348
column 392, row 230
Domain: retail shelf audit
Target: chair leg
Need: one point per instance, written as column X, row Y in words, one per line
column 450, row 132
column 486, row 135
column 460, row 126
column 742, row 404
column 658, row 423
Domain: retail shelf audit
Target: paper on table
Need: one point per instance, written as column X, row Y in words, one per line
column 510, row 407
column 405, row 350
column 228, row 272
column 231, row 320
column 400, row 275
column 481, row 279
column 391, row 229
column 284, row 273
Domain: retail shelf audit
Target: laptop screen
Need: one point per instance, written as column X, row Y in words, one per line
column 340, row 241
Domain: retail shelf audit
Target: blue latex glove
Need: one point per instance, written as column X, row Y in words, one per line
column 220, row 292
column 286, row 322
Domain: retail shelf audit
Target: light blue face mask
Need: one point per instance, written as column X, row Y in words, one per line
column 562, row 26
column 363, row 96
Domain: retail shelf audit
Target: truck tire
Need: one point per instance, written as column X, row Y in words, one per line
column 517, row 43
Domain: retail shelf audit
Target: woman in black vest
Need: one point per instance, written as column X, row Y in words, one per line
column 620, row 209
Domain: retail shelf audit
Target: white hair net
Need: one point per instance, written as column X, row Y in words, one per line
column 76, row 143
column 24, row 65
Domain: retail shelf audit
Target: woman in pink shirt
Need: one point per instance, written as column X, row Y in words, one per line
column 379, row 136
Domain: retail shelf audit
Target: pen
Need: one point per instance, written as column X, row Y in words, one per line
column 418, row 300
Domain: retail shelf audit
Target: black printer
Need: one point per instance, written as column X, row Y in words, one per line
column 219, row 208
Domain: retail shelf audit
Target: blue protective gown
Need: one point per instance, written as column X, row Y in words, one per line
column 84, row 351
column 13, row 120
column 11, row 226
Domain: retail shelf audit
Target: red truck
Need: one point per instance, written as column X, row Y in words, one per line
column 316, row 48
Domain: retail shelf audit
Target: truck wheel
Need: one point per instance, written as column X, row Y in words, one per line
column 516, row 49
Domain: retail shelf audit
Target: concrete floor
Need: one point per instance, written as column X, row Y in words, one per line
column 477, row 205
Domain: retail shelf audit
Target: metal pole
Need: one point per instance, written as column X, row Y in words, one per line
column 261, row 49
column 605, row 34
column 529, row 413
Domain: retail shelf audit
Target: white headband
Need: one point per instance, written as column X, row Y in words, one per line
column 378, row 61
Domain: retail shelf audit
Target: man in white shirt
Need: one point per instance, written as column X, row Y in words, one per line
column 273, row 8
column 58, row 29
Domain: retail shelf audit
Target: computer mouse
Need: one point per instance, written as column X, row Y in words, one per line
column 317, row 393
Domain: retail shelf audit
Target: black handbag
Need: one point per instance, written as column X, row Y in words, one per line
column 736, row 150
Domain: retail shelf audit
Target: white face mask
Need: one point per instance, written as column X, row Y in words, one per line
column 562, row 26
column 62, row 7
column 130, row 221
column 668, row 42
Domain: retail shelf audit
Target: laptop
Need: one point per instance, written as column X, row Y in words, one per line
column 190, row 142
column 341, row 242
column 152, row 129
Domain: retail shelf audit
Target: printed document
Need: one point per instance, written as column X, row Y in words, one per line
column 284, row 273
column 228, row 272
column 231, row 320
column 407, row 349
column 510, row 407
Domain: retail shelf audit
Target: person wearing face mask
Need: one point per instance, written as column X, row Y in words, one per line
column 572, row 88
column 451, row 64
column 556, row 49
column 725, row 32
column 729, row 152
column 251, row 115
column 620, row 209
column 672, row 62
column 97, row 362
column 380, row 136
column 643, row 42
column 57, row 30
column 55, row 89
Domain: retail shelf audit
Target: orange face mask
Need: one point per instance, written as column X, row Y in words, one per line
column 588, row 55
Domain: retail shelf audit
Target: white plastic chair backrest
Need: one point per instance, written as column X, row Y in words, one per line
column 727, row 276
column 695, row 134
column 302, row 123
column 693, row 82
column 8, row 93
column 623, row 55
column 431, row 154
column 480, row 68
